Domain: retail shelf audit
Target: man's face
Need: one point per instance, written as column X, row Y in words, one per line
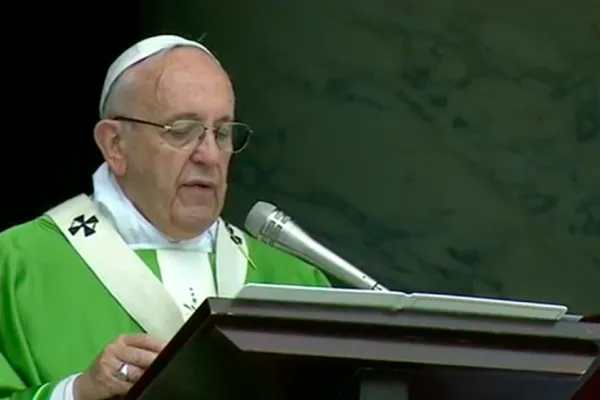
column 180, row 190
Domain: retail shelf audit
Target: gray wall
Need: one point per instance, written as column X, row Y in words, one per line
column 447, row 146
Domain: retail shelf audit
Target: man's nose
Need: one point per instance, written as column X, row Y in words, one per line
column 207, row 151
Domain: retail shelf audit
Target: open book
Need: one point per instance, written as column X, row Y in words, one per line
column 397, row 301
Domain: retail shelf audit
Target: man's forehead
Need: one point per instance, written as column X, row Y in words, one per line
column 184, row 83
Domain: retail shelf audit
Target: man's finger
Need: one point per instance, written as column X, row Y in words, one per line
column 137, row 357
column 134, row 372
column 144, row 341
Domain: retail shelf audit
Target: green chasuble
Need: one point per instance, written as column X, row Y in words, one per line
column 56, row 316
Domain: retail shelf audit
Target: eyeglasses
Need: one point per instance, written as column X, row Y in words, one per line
column 230, row 136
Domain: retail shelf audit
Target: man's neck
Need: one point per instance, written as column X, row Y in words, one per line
column 134, row 227
column 170, row 231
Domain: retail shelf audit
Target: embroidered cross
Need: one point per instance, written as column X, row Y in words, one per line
column 88, row 225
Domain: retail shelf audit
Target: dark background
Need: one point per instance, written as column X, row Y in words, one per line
column 441, row 146
column 53, row 75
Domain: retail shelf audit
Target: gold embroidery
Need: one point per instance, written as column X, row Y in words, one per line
column 238, row 242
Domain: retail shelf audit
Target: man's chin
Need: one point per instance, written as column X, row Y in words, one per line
column 196, row 218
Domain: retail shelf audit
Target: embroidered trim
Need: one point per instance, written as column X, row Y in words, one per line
column 238, row 242
column 194, row 301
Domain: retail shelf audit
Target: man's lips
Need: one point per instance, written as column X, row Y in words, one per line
column 200, row 183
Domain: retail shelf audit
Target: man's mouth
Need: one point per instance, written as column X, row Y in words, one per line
column 201, row 184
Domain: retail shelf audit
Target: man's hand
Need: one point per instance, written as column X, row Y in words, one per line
column 102, row 381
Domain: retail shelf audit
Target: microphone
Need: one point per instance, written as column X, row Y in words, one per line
column 272, row 226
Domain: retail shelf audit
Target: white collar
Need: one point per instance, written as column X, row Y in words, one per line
column 135, row 229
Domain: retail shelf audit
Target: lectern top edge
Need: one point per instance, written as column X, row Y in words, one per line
column 267, row 309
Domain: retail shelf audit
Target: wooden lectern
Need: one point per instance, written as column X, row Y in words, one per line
column 272, row 350
column 591, row 389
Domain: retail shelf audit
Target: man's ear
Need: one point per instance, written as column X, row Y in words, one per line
column 110, row 142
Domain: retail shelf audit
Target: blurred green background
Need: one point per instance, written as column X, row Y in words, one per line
column 446, row 146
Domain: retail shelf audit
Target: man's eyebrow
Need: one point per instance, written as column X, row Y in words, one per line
column 198, row 117
column 225, row 118
column 185, row 115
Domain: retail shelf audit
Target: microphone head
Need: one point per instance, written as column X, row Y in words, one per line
column 258, row 217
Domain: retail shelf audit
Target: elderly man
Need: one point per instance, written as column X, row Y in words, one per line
column 91, row 291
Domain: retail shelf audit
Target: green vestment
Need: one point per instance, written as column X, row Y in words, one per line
column 56, row 316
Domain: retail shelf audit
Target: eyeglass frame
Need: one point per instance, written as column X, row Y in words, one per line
column 169, row 127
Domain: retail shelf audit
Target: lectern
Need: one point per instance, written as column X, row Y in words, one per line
column 269, row 349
